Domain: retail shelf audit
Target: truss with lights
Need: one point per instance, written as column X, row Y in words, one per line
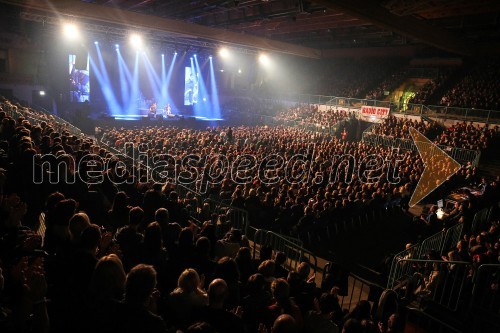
column 171, row 40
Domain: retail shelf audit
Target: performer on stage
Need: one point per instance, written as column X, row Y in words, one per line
column 168, row 111
column 152, row 110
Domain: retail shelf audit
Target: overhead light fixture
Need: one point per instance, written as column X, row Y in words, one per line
column 136, row 40
column 264, row 59
column 223, row 52
column 70, row 30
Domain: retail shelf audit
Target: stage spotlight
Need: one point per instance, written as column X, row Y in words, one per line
column 162, row 55
column 195, row 55
column 223, row 52
column 96, row 42
column 70, row 30
column 136, row 41
column 42, row 92
column 239, row 71
column 117, row 46
column 175, row 53
column 264, row 59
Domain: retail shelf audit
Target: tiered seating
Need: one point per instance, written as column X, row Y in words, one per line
column 478, row 89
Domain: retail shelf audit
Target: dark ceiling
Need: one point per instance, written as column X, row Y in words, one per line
column 315, row 28
column 332, row 24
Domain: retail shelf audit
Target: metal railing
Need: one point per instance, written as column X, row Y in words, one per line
column 291, row 247
column 445, row 112
column 484, row 292
column 480, row 219
column 301, row 124
column 461, row 155
column 359, row 290
column 439, row 281
column 479, row 313
column 237, row 217
column 452, row 237
column 439, row 242
column 352, row 291
column 411, row 253
column 432, row 243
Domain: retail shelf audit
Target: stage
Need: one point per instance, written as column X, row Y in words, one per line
column 144, row 115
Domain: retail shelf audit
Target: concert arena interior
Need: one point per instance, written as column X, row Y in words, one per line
column 254, row 166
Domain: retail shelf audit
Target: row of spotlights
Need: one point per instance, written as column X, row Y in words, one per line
column 70, row 30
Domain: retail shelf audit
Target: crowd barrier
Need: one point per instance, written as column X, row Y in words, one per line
column 291, row 247
column 331, row 129
column 237, row 217
column 451, row 277
column 442, row 112
column 461, row 155
column 397, row 272
column 481, row 218
column 466, row 295
column 440, row 242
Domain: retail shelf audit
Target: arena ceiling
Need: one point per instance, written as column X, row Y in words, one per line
column 303, row 27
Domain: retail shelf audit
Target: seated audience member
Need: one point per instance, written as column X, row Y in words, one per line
column 393, row 325
column 129, row 238
column 222, row 320
column 352, row 326
column 245, row 263
column 321, row 319
column 285, row 324
column 280, row 270
column 255, row 303
column 106, row 290
column 282, row 303
column 27, row 311
column 229, row 245
column 227, row 269
column 137, row 311
column 186, row 298
column 118, row 215
column 78, row 223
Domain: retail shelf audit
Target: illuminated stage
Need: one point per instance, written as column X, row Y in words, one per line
column 143, row 114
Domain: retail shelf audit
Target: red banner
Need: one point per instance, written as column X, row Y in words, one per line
column 374, row 111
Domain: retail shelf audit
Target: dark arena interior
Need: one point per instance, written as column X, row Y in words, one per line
column 255, row 166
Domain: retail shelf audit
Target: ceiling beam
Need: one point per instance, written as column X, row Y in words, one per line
column 408, row 26
column 108, row 14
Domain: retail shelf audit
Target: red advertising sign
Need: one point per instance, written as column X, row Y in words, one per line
column 374, row 111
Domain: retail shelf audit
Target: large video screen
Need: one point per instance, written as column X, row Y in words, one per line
column 79, row 78
column 190, row 86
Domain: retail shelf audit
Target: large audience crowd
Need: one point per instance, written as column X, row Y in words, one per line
column 460, row 135
column 468, row 136
column 397, row 127
column 126, row 257
column 104, row 248
column 478, row 89
column 310, row 114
